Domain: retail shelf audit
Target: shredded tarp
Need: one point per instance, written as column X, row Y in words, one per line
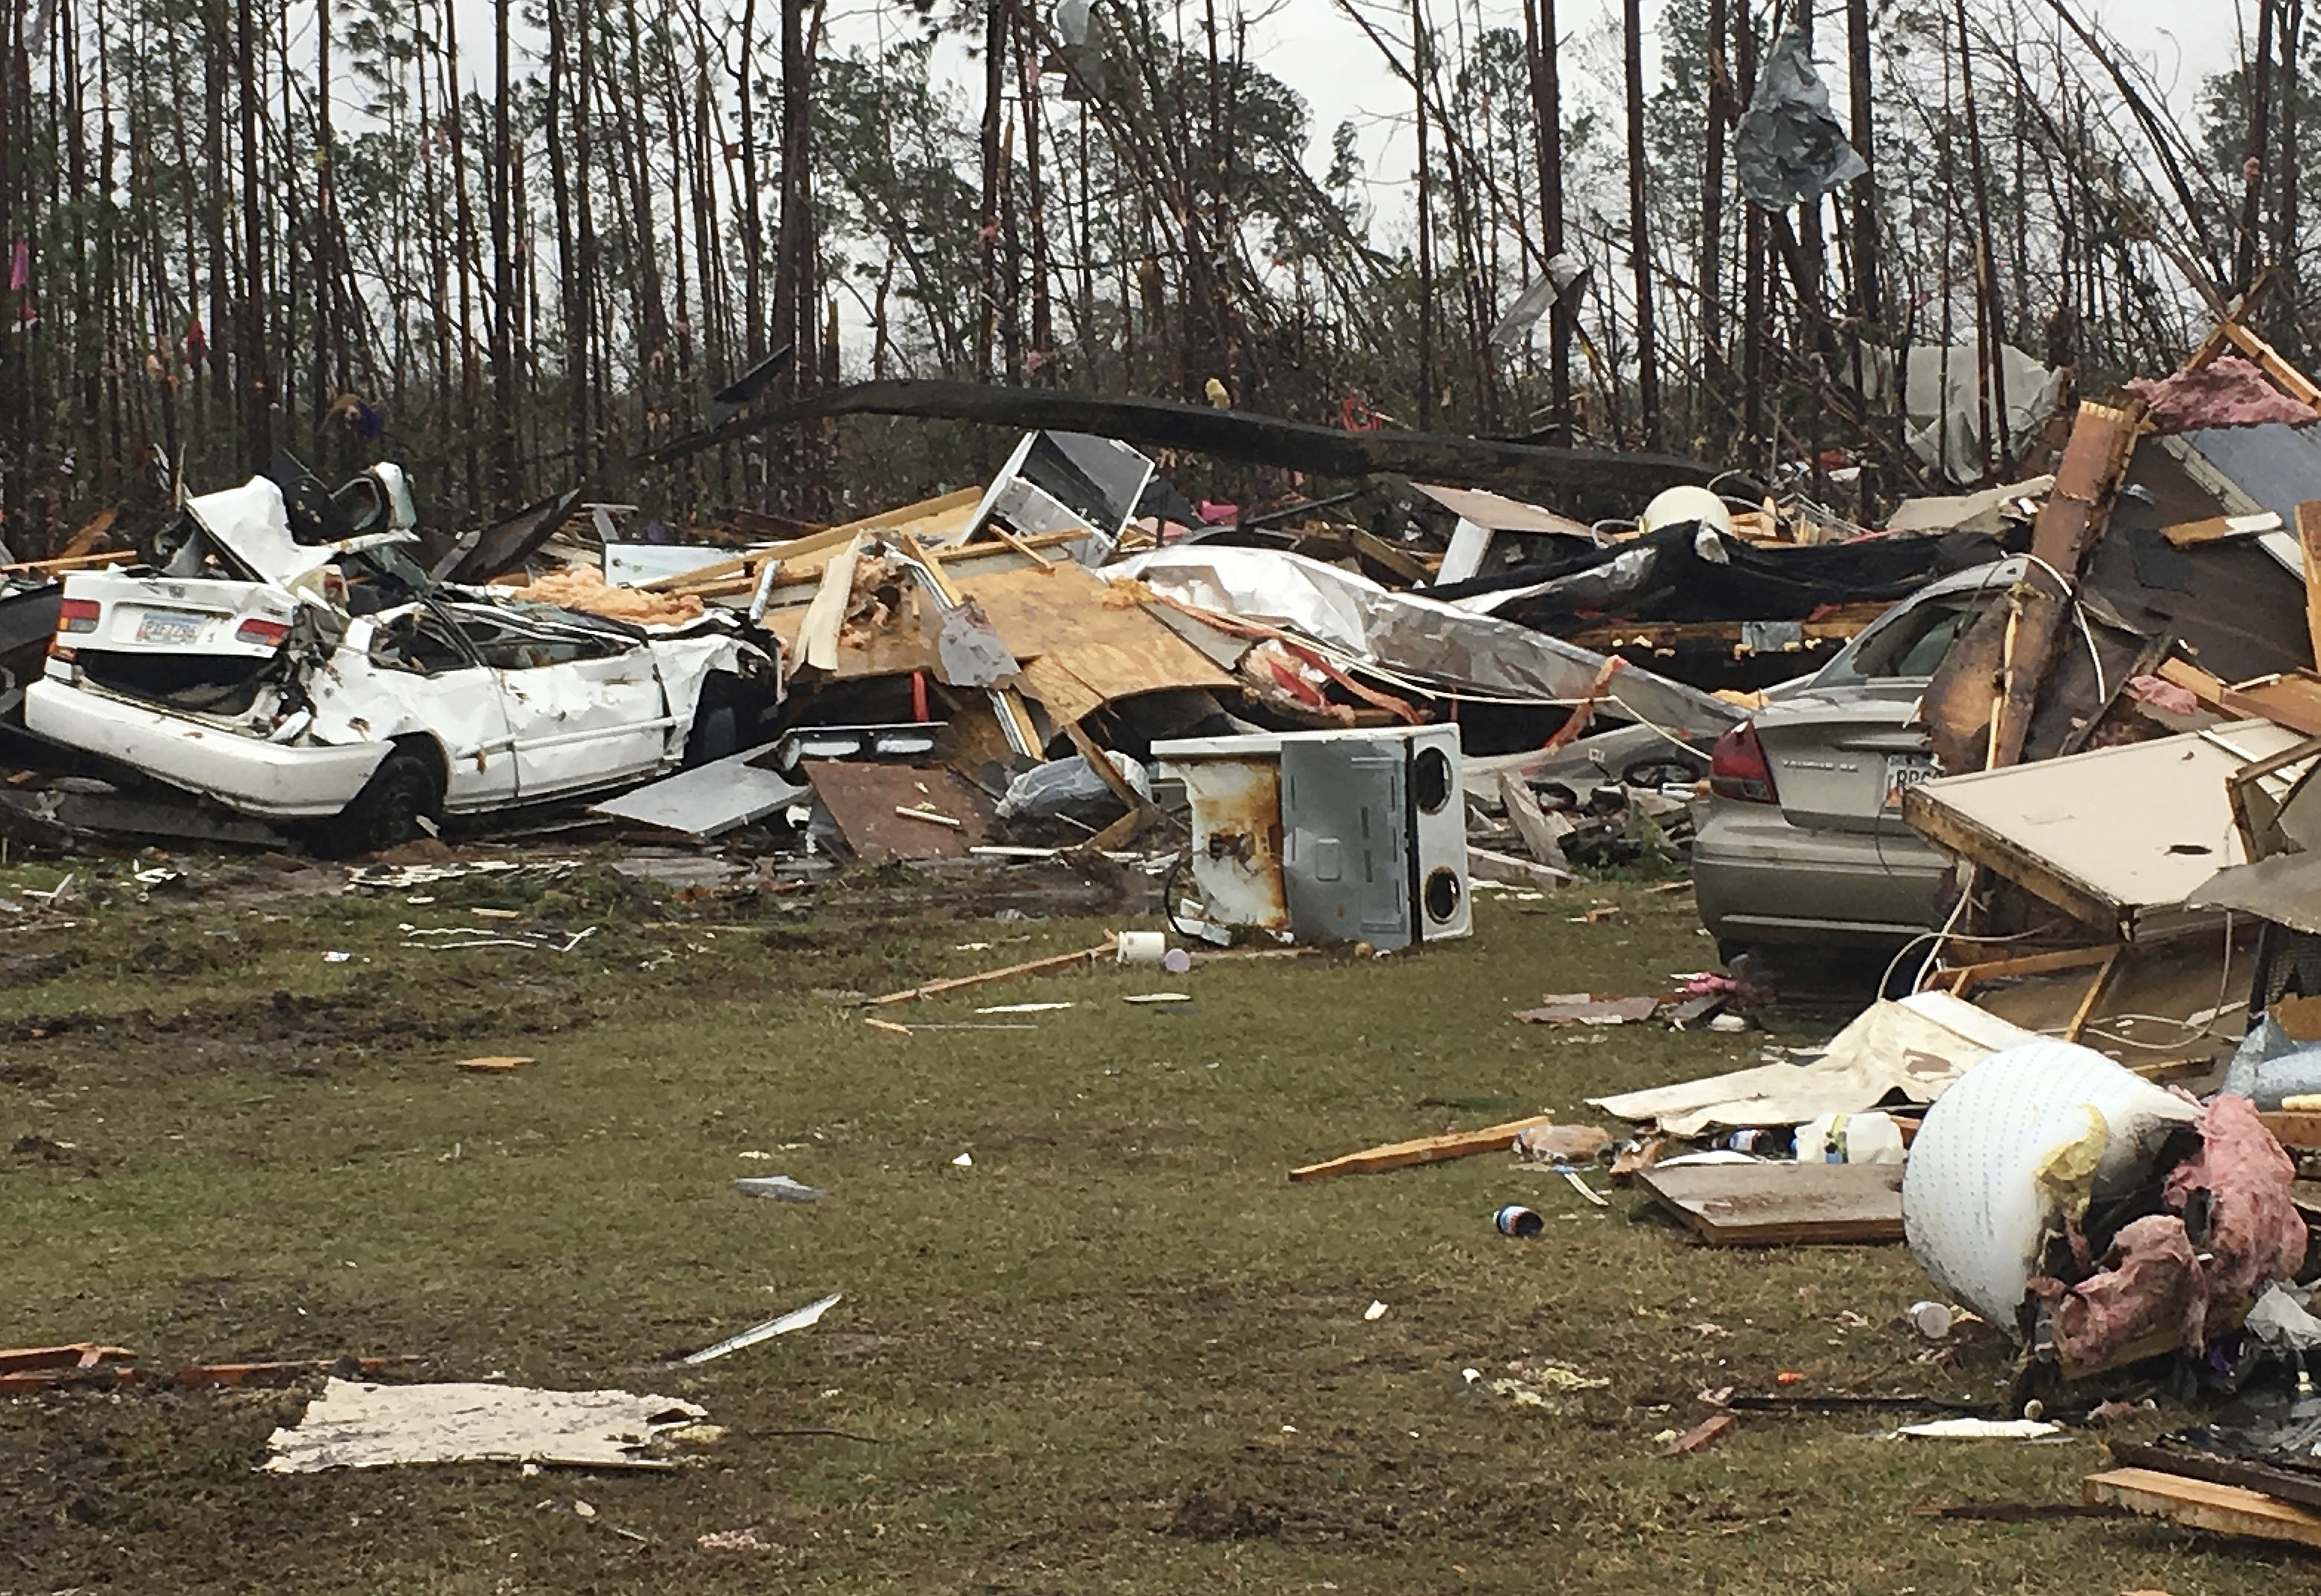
column 1788, row 150
column 1906, row 1049
column 1419, row 636
column 358, row 1424
column 2228, row 392
column 1682, row 573
column 1943, row 392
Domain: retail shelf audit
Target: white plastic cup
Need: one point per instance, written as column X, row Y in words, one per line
column 1140, row 947
column 1931, row 1320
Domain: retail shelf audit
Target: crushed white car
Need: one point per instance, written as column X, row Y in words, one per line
column 290, row 661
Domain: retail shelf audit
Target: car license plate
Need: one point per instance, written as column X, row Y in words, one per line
column 1905, row 771
column 169, row 628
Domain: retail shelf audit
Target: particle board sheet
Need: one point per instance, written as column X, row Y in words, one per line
column 863, row 799
column 2109, row 837
column 355, row 1424
column 1084, row 643
column 1767, row 1204
column 2202, row 1504
column 1499, row 514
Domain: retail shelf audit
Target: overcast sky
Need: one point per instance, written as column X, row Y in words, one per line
column 1314, row 48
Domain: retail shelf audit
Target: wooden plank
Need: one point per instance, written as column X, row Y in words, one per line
column 2309, row 538
column 1782, row 1205
column 2299, row 386
column 2079, row 1016
column 1028, row 967
column 2294, row 702
column 1966, row 977
column 2290, row 1485
column 1427, row 1150
column 2094, row 458
column 2204, row 1504
column 2293, row 1129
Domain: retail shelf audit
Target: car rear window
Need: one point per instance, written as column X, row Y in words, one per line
column 1910, row 643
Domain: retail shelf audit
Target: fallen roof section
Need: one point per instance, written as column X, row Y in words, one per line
column 1227, row 434
column 2120, row 837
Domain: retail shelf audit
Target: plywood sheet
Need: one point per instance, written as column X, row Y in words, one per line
column 1083, row 644
column 1782, row 1205
column 863, row 799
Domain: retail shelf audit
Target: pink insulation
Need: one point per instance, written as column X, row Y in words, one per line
column 2154, row 1279
column 2228, row 392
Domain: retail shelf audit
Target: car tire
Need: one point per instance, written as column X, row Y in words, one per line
column 403, row 792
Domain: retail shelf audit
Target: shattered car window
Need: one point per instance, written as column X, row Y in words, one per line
column 504, row 644
column 1910, row 644
column 417, row 642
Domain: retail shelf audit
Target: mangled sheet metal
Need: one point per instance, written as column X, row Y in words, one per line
column 1906, row 1050
column 1943, row 392
column 2119, row 838
column 1788, row 150
column 356, row 1425
column 708, row 800
column 1402, row 633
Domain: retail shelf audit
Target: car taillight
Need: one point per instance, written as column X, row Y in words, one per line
column 78, row 615
column 1738, row 768
column 266, row 633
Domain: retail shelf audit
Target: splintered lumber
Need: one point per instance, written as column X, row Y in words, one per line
column 2095, row 457
column 2309, row 538
column 2094, row 992
column 1030, row 966
column 1762, row 1204
column 1427, row 1150
column 2203, row 1505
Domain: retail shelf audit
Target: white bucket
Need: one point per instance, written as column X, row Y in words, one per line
column 1140, row 947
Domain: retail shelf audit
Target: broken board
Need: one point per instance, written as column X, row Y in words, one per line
column 862, row 800
column 2203, row 1505
column 1782, row 1205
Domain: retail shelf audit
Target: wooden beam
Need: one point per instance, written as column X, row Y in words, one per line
column 2086, row 1008
column 1028, row 967
column 2309, row 538
column 1427, row 1150
column 1966, row 977
column 2203, row 1505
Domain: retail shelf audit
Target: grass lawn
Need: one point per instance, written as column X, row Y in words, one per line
column 1118, row 1352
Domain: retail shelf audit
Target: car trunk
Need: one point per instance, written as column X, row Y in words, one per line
column 1840, row 763
column 195, row 644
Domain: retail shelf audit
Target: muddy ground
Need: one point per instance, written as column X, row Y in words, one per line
column 1118, row 1351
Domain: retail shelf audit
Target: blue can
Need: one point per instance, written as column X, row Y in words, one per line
column 1516, row 1219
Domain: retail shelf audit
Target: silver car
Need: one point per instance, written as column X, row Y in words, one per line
column 1804, row 841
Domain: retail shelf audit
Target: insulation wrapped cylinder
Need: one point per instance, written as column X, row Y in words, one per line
column 2020, row 1143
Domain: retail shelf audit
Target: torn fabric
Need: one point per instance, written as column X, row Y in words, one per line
column 1911, row 1049
column 1788, row 150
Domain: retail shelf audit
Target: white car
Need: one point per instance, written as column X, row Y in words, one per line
column 298, row 676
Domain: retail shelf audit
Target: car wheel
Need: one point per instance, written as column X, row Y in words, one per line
column 402, row 793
